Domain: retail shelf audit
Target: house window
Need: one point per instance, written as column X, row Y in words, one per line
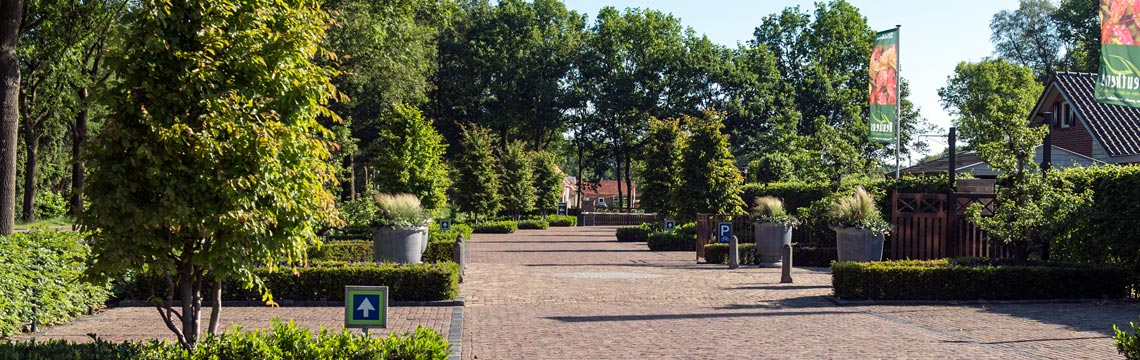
column 1066, row 115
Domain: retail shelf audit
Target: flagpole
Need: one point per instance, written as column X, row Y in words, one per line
column 898, row 97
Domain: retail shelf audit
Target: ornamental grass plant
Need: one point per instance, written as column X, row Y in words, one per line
column 400, row 210
column 857, row 211
column 770, row 209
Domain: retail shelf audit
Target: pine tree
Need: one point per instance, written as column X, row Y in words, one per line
column 517, row 186
column 661, row 152
column 547, row 181
column 476, row 189
column 710, row 182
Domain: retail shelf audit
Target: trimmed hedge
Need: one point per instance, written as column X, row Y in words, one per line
column 281, row 340
column 350, row 233
column 326, row 281
column 533, row 224
column 632, row 234
column 361, row 251
column 718, row 254
column 435, row 234
column 562, row 220
column 674, row 241
column 944, row 280
column 43, row 269
column 496, row 227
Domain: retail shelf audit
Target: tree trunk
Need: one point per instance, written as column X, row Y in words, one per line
column 191, row 296
column 78, row 136
column 31, row 147
column 10, row 16
column 628, row 184
column 578, row 200
column 216, row 309
column 617, row 177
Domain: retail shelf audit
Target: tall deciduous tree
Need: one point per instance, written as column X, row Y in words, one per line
column 1078, row 26
column 661, row 152
column 710, row 182
column 547, row 181
column 476, row 189
column 212, row 160
column 517, row 185
column 408, row 157
column 1028, row 36
column 11, row 14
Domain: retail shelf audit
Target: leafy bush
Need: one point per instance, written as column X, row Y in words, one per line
column 632, row 234
column 1105, row 231
column 718, row 254
column 496, row 227
column 348, row 251
column 1127, row 343
column 533, row 224
column 674, row 241
column 325, row 281
column 688, row 229
column 43, row 269
column 280, row 341
column 562, row 220
column 946, row 280
column 50, row 204
column 352, row 232
column 359, row 212
column 435, row 234
column 439, row 251
column 400, row 210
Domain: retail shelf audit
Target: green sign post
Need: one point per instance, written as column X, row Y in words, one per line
column 365, row 307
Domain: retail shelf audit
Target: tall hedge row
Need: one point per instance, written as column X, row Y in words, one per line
column 1106, row 232
column 43, row 269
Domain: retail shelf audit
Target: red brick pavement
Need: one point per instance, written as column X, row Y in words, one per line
column 575, row 293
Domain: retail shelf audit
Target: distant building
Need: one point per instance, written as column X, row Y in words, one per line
column 595, row 193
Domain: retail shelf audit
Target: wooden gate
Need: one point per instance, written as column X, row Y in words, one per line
column 934, row 226
column 742, row 228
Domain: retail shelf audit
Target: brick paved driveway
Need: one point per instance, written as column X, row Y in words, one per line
column 575, row 293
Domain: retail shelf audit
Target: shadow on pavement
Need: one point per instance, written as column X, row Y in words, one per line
column 605, row 318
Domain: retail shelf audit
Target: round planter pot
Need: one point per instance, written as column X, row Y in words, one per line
column 854, row 244
column 404, row 245
column 770, row 241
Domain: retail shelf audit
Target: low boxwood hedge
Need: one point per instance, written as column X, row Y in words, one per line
column 43, row 269
column 671, row 241
column 632, row 234
column 533, row 224
column 438, row 250
column 325, row 281
column 435, row 234
column 956, row 280
column 718, row 254
column 562, row 220
column 496, row 227
column 280, row 341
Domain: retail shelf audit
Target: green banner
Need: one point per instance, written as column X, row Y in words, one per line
column 1118, row 80
column 884, row 86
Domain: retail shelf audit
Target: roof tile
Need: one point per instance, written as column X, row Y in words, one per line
column 1116, row 127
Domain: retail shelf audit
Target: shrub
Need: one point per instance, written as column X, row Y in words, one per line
column 435, row 234
column 1127, row 343
column 325, row 281
column 1105, row 232
column 688, row 229
column 562, row 220
column 281, row 340
column 50, row 204
column 770, row 209
column 351, row 232
column 348, row 251
column 496, row 227
column 533, row 224
column 858, row 211
column 359, row 212
column 439, row 251
column 400, row 210
column 945, row 280
column 718, row 254
column 43, row 269
column 674, row 241
column 632, row 234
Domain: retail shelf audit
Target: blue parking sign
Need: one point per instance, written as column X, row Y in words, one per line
column 725, row 234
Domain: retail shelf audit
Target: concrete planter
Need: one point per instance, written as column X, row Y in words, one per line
column 404, row 245
column 855, row 244
column 770, row 241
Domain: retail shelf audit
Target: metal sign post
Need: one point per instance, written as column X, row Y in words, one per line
column 366, row 307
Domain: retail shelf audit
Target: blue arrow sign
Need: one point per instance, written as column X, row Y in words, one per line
column 366, row 306
column 445, row 225
column 725, row 232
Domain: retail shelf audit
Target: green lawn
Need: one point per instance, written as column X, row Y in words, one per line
column 53, row 222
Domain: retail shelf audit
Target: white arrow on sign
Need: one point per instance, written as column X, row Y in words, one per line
column 365, row 307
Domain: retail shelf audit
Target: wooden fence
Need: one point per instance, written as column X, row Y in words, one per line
column 934, row 226
column 610, row 219
column 742, row 228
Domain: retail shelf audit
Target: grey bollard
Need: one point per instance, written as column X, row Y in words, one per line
column 786, row 272
column 459, row 254
column 733, row 253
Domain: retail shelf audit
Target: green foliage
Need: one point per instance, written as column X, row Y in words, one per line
column 1031, row 23
column 661, row 152
column 43, row 269
column 947, row 280
column 476, row 189
column 325, row 281
column 533, row 224
column 814, row 256
column 440, row 251
column 1078, row 28
column 562, row 220
column 435, row 234
column 280, row 341
column 359, row 212
column 1032, row 212
column 1105, row 231
column 1127, row 342
column 408, row 157
column 547, row 181
column 672, row 241
column 400, row 210
column 771, row 209
column 517, row 185
column 858, row 211
column 710, row 181
column 771, row 168
column 347, row 251
column 50, row 204
column 212, row 159
column 718, row 254
column 632, row 234
column 496, row 227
